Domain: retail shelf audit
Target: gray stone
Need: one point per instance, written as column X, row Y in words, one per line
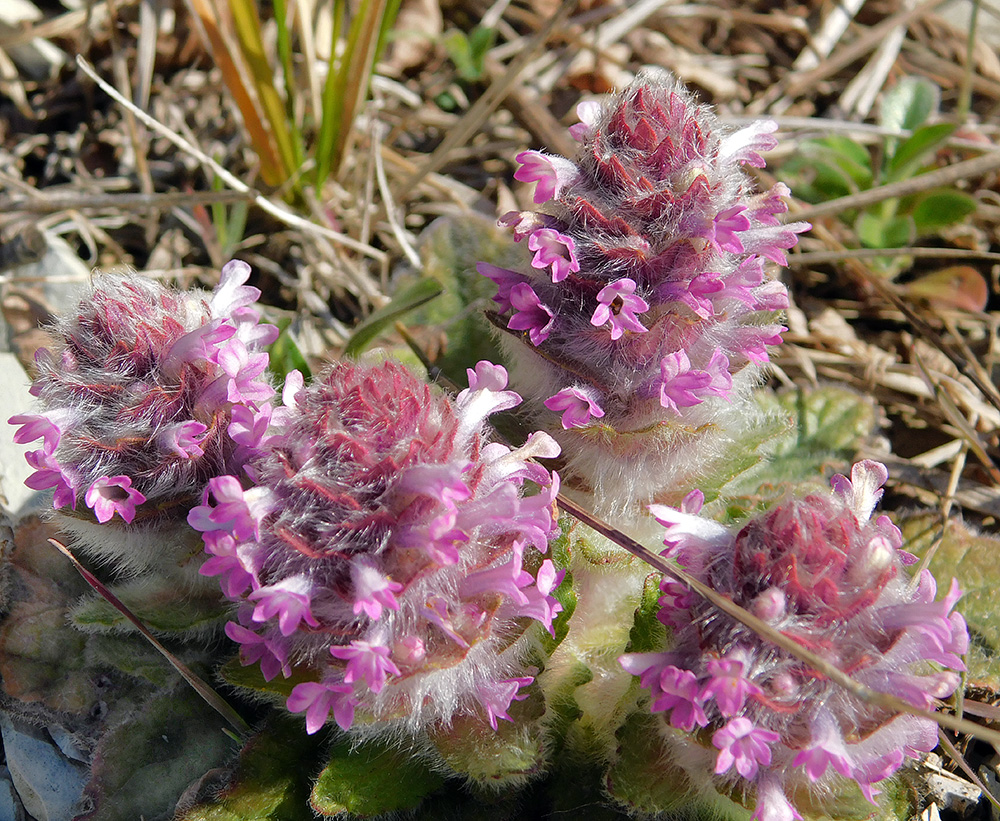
column 48, row 784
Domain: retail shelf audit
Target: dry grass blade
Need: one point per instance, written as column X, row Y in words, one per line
column 278, row 211
column 212, row 698
column 765, row 631
column 270, row 162
column 794, row 84
column 963, row 765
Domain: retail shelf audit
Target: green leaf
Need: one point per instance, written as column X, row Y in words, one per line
column 941, row 208
column 468, row 52
column 850, row 159
column 372, row 778
column 909, row 103
column 911, row 153
column 160, row 613
column 271, row 780
column 407, row 299
column 648, row 633
column 974, row 559
column 284, row 355
column 827, row 427
column 885, row 232
column 141, row 766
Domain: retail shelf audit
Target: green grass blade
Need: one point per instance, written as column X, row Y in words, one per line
column 251, row 43
column 292, row 93
column 332, row 100
column 347, row 88
column 423, row 290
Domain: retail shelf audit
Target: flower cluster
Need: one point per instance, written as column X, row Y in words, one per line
column 821, row 572
column 148, row 393
column 645, row 306
column 387, row 550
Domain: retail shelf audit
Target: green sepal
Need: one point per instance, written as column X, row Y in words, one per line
column 251, row 678
column 371, row 778
column 648, row 633
column 506, row 756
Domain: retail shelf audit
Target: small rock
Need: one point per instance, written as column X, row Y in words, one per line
column 952, row 793
column 10, row 804
column 48, row 784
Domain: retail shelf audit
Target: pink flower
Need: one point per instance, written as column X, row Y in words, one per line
column 505, row 279
column 372, row 590
column 317, row 700
column 236, row 510
column 366, row 662
column 270, row 653
column 743, row 146
column 36, row 426
column 725, row 226
column 826, row 749
column 822, row 572
column 530, row 315
column 772, row 804
column 728, row 686
column 864, row 489
column 677, row 691
column 226, row 561
column 555, row 249
column 741, row 744
column 497, row 697
column 549, row 172
column 49, row 474
column 184, row 439
column 288, row 601
column 619, row 306
column 683, row 386
column 577, row 405
column 113, row 494
column 385, row 542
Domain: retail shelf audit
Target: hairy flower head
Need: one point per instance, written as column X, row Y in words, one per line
column 817, row 569
column 139, row 391
column 646, row 289
column 387, row 551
